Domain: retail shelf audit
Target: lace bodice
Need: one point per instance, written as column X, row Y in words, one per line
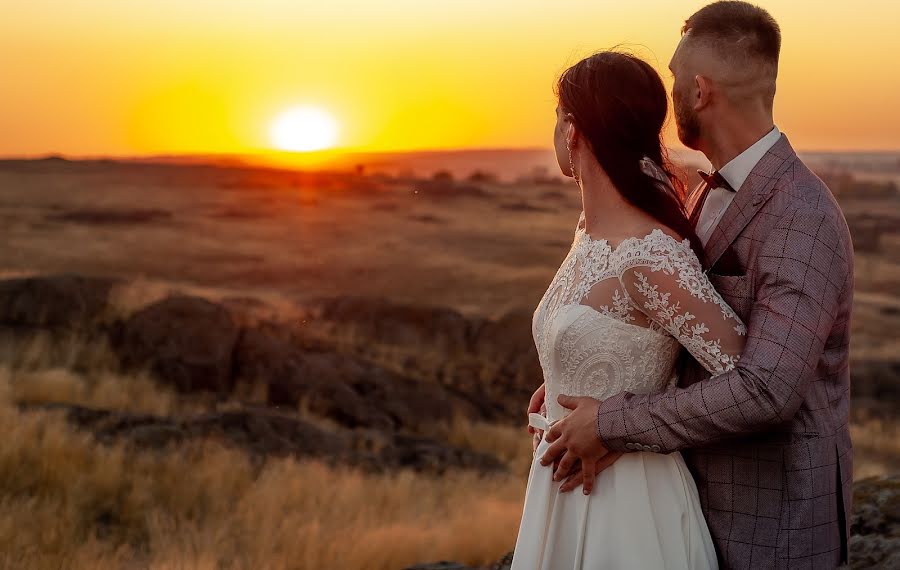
column 613, row 318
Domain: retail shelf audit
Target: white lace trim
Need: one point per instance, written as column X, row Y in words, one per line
column 589, row 356
column 678, row 324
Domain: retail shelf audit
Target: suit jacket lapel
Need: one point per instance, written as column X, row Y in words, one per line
column 750, row 198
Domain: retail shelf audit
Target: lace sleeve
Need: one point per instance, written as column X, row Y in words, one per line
column 675, row 294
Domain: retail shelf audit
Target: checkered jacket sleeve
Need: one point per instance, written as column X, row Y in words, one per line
column 801, row 273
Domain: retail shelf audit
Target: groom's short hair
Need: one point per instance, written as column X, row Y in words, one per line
column 739, row 25
column 744, row 35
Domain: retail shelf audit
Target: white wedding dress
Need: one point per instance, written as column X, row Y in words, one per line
column 613, row 320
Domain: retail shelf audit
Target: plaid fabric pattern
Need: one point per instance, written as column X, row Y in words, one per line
column 768, row 442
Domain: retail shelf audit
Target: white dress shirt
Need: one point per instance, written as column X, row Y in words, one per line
column 735, row 172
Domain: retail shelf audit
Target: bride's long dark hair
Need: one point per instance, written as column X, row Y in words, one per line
column 618, row 103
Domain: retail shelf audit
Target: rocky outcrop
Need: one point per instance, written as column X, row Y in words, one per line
column 492, row 363
column 186, row 341
column 361, row 361
column 503, row 563
column 875, row 524
column 382, row 371
column 344, row 387
column 101, row 217
column 59, row 303
column 265, row 433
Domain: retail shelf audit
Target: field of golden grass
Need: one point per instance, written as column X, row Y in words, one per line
column 68, row 501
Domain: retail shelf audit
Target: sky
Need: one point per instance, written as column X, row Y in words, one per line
column 141, row 77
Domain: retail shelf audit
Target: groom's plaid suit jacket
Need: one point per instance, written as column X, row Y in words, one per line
column 768, row 442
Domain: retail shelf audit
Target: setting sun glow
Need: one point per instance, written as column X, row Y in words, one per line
column 303, row 129
column 406, row 75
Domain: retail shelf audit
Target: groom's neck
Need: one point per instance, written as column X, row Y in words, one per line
column 733, row 133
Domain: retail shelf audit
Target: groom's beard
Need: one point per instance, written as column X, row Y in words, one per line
column 688, row 125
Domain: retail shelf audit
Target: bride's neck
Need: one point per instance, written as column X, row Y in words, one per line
column 604, row 207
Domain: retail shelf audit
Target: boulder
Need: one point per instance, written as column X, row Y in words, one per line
column 56, row 302
column 396, row 324
column 186, row 341
column 265, row 433
column 875, row 523
column 491, row 364
column 344, row 387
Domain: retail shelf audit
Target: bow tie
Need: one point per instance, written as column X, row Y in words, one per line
column 715, row 180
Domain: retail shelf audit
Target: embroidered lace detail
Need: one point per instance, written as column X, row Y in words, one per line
column 677, row 323
column 613, row 319
column 621, row 308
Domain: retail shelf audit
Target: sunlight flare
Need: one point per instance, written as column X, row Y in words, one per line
column 303, row 129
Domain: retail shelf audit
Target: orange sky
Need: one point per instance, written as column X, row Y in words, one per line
column 127, row 77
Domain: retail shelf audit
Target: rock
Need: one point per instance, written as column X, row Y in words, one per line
column 875, row 379
column 442, row 565
column 874, row 552
column 523, row 206
column 492, row 364
column 344, row 387
column 875, row 523
column 186, row 341
column 397, row 324
column 97, row 217
column 442, row 188
column 504, row 563
column 57, row 302
column 292, row 375
column 423, row 453
column 265, row 433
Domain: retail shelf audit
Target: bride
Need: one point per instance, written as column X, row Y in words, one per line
column 629, row 294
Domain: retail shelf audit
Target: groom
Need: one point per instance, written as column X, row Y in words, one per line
column 768, row 442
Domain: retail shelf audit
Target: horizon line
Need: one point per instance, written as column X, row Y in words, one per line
column 337, row 152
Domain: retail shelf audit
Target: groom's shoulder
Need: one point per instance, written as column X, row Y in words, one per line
column 801, row 187
column 800, row 191
column 801, row 201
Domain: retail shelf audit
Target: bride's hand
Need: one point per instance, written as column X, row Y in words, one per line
column 577, row 478
column 536, row 403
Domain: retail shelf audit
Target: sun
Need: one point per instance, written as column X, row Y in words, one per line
column 303, row 129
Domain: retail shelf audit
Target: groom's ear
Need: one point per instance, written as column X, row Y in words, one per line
column 703, row 87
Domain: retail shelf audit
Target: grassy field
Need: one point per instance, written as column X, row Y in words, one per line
column 69, row 501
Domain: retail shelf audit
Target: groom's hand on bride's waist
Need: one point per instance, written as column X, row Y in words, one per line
column 574, row 438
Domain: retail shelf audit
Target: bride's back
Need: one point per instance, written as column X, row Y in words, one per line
column 614, row 316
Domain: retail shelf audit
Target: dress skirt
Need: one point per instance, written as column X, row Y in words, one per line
column 643, row 513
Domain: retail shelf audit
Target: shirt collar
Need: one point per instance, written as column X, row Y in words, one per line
column 738, row 168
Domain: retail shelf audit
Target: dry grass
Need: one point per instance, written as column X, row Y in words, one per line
column 43, row 350
column 509, row 444
column 876, row 447
column 137, row 394
column 68, row 502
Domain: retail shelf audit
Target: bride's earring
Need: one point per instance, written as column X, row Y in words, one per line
column 572, row 165
column 571, row 161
